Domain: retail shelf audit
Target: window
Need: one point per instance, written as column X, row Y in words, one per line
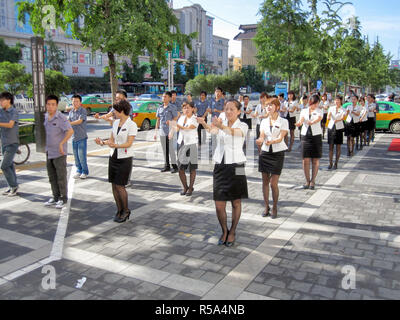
column 88, row 58
column 74, row 57
column 385, row 107
column 220, row 52
column 99, row 60
column 26, row 54
column 220, row 41
column 151, row 107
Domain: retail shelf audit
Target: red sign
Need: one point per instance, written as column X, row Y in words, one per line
column 92, row 71
column 75, row 69
column 81, row 58
column 210, row 23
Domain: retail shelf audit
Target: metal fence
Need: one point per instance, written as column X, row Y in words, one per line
column 24, row 105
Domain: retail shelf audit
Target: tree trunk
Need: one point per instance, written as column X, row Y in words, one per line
column 289, row 85
column 300, row 85
column 113, row 75
column 309, row 85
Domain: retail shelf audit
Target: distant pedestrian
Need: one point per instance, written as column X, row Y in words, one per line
column 324, row 106
column 121, row 140
column 78, row 120
column 293, row 108
column 372, row 110
column 352, row 127
column 246, row 111
column 187, row 141
column 272, row 134
column 335, row 117
column 166, row 114
column 58, row 132
column 175, row 102
column 230, row 183
column 202, row 110
column 109, row 117
column 9, row 141
column 217, row 107
column 311, row 140
column 260, row 112
column 363, row 123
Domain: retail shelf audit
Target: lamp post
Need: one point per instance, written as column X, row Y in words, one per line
column 198, row 57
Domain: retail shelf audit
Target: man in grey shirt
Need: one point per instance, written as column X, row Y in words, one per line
column 175, row 102
column 77, row 118
column 9, row 141
column 58, row 132
column 165, row 114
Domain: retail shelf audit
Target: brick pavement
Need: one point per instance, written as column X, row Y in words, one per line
column 168, row 248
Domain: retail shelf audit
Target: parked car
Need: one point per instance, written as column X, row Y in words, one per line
column 381, row 97
column 95, row 104
column 147, row 97
column 388, row 117
column 144, row 113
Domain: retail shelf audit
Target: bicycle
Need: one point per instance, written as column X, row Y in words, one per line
column 26, row 136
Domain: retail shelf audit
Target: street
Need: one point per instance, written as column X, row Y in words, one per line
column 341, row 241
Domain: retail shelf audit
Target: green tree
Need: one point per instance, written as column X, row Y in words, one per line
column 56, row 83
column 133, row 73
column 279, row 36
column 377, row 68
column 253, row 78
column 230, row 83
column 117, row 28
column 11, row 54
column 155, row 71
column 55, row 57
column 13, row 77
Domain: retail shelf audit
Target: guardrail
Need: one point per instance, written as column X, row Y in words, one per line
column 24, row 105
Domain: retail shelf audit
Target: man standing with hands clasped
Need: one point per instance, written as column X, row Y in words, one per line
column 58, row 132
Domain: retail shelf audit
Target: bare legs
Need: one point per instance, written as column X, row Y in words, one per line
column 228, row 235
column 272, row 180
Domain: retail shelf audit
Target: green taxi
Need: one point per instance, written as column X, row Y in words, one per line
column 144, row 113
column 95, row 104
column 388, row 117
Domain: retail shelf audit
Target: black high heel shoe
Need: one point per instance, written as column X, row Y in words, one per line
column 183, row 193
column 229, row 244
column 189, row 193
column 222, row 242
column 124, row 217
column 266, row 214
column 117, row 216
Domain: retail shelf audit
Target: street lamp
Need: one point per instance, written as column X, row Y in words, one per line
column 198, row 57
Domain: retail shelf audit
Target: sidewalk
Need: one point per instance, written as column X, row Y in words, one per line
column 168, row 249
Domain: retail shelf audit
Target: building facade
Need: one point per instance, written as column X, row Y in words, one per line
column 249, row 49
column 235, row 63
column 220, row 56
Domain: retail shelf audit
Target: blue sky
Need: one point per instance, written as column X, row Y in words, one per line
column 378, row 19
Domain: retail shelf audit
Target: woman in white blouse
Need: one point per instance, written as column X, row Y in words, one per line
column 352, row 127
column 230, row 183
column 324, row 106
column 293, row 106
column 335, row 117
column 311, row 139
column 120, row 162
column 363, row 123
column 187, row 140
column 372, row 110
column 272, row 134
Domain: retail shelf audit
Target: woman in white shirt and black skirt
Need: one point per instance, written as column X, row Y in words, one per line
column 311, row 139
column 120, row 163
column 230, row 183
column 335, row 117
column 352, row 129
column 187, row 141
column 293, row 108
column 272, row 134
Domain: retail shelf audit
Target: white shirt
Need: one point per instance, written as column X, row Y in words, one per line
column 371, row 109
column 364, row 111
column 231, row 147
column 260, row 112
column 284, row 106
column 280, row 124
column 128, row 129
column 336, row 115
column 222, row 116
column 188, row 136
column 242, row 112
column 351, row 116
column 324, row 106
column 315, row 128
column 291, row 105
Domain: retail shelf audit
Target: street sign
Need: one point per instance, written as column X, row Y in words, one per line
column 175, row 51
column 196, row 69
column 319, row 84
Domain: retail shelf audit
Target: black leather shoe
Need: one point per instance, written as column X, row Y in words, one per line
column 189, row 193
column 174, row 170
column 222, row 242
column 183, row 193
column 117, row 216
column 124, row 216
column 166, row 169
column 266, row 214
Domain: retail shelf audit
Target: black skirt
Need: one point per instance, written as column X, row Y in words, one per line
column 335, row 136
column 119, row 170
column 352, row 129
column 363, row 126
column 271, row 163
column 292, row 123
column 371, row 124
column 188, row 157
column 311, row 145
column 324, row 119
column 230, row 182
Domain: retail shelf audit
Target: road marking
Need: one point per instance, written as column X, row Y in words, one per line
column 22, row 240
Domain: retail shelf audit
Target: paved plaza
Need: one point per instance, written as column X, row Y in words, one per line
column 168, row 251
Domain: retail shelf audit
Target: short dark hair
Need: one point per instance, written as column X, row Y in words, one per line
column 282, row 95
column 246, row 96
column 174, row 92
column 123, row 92
column 190, row 104
column 220, row 89
column 340, row 98
column 314, row 99
column 123, row 106
column 168, row 93
column 264, row 95
column 203, row 92
column 52, row 97
column 372, row 96
column 355, row 96
column 189, row 94
column 77, row 96
column 8, row 96
column 292, row 93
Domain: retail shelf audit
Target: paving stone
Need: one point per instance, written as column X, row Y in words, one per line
column 323, row 291
column 389, row 294
column 259, row 288
column 195, row 253
column 122, row 294
column 212, row 277
column 383, row 264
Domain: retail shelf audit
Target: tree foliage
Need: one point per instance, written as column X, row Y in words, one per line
column 55, row 57
column 230, row 83
column 253, row 78
column 11, row 54
column 13, row 77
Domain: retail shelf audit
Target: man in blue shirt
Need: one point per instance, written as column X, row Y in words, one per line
column 202, row 109
column 165, row 115
column 9, row 141
column 217, row 107
column 58, row 132
column 77, row 118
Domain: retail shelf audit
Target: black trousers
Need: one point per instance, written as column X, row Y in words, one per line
column 201, row 132
column 57, row 171
column 168, row 151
